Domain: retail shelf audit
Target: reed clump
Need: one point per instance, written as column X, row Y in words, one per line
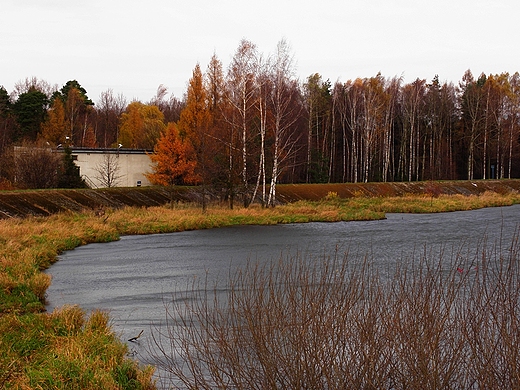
column 435, row 322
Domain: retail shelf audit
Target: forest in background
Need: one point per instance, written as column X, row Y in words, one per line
column 249, row 126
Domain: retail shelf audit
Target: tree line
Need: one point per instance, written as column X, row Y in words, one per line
column 245, row 128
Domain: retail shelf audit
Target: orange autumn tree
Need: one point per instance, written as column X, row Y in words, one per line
column 54, row 129
column 174, row 160
column 141, row 126
column 193, row 127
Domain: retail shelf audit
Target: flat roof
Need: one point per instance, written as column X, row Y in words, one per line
column 111, row 150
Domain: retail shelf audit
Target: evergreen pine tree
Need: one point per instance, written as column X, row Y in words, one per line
column 69, row 176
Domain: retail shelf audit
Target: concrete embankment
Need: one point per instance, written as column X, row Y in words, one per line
column 46, row 202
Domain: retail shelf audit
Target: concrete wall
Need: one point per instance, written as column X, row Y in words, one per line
column 131, row 166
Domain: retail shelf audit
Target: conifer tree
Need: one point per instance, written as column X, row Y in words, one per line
column 174, row 159
column 69, row 175
column 193, row 126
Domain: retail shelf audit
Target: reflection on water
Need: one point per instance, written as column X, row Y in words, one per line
column 134, row 277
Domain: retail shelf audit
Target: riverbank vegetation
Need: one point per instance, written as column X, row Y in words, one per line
column 73, row 349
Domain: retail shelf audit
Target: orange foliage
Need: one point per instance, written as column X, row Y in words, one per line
column 54, row 129
column 175, row 160
column 89, row 139
column 141, row 126
column 194, row 117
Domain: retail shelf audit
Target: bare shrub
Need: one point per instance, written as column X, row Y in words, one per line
column 36, row 167
column 436, row 321
column 108, row 171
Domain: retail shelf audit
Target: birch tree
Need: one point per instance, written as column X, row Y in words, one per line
column 472, row 107
column 340, row 109
column 285, row 111
column 513, row 104
column 78, row 107
column 373, row 115
column 221, row 131
column 241, row 95
column 440, row 117
column 392, row 91
column 354, row 118
column 263, row 87
column 413, row 103
column 110, row 107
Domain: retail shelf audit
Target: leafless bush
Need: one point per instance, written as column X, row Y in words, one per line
column 108, row 171
column 441, row 321
column 36, row 167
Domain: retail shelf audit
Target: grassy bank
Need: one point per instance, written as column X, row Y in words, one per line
column 72, row 349
column 26, row 203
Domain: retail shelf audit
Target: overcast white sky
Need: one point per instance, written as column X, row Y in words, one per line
column 133, row 46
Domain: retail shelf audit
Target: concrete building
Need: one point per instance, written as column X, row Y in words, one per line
column 113, row 167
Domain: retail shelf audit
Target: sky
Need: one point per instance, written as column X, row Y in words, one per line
column 133, row 46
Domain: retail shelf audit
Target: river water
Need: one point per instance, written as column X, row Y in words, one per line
column 134, row 277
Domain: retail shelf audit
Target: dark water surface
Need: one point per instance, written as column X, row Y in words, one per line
column 134, row 277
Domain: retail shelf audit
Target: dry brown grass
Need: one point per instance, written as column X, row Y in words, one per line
column 441, row 203
column 30, row 245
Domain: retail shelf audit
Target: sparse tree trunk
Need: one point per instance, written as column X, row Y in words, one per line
column 108, row 171
column 241, row 96
column 285, row 110
column 510, row 162
column 309, row 143
column 485, row 141
column 261, row 163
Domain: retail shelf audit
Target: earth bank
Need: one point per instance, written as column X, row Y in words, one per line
column 47, row 202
